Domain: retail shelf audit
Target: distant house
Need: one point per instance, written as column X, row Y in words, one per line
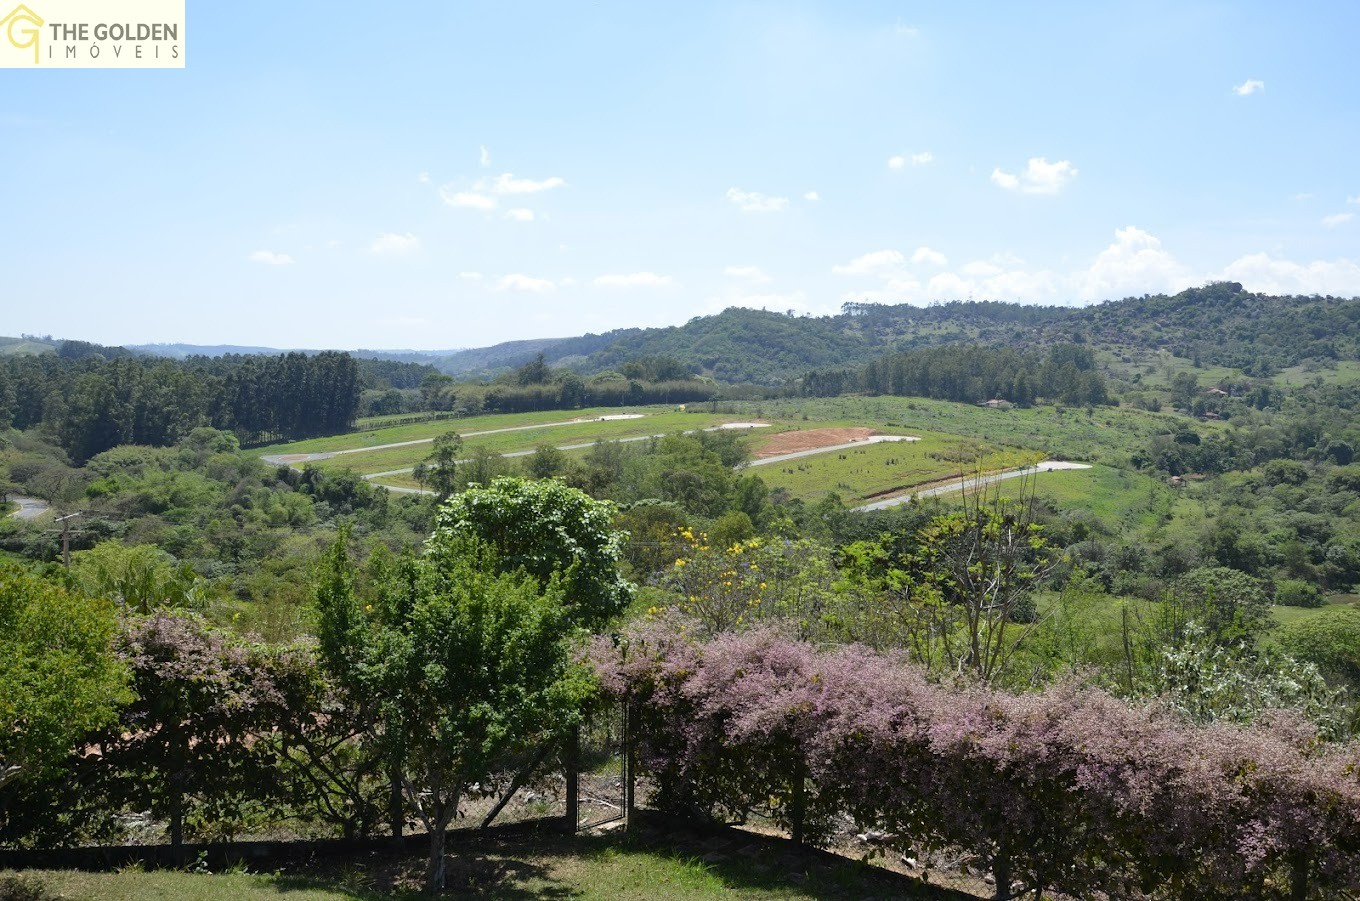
column 997, row 403
column 1216, row 392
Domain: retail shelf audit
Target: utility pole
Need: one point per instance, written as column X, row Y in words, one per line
column 66, row 537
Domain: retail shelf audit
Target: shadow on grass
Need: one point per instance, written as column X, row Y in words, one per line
column 740, row 860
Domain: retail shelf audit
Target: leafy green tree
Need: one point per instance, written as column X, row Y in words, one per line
column 142, row 578
column 1298, row 593
column 545, row 462
column 1331, row 640
column 465, row 667
column 439, row 470
column 59, row 675
column 961, row 588
column 547, row 529
column 1230, row 606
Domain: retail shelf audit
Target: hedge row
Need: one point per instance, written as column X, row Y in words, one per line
column 1069, row 789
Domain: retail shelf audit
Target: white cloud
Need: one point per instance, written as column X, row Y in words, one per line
column 1355, row 199
column 471, row 276
column 812, row 196
column 1249, row 87
column 755, row 202
column 485, row 156
column 923, row 158
column 1005, row 179
column 466, row 199
column 1336, row 219
column 423, row 178
column 896, row 162
column 393, row 244
column 1259, row 272
column 633, row 280
column 506, row 183
column 519, row 282
column 520, row 214
column 929, row 256
column 872, row 262
column 1134, row 264
column 269, row 258
column 753, row 274
column 1040, row 176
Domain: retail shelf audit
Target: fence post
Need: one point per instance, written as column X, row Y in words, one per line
column 572, row 754
column 629, row 764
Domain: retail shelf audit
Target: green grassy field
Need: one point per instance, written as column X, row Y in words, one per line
column 863, row 473
column 1129, row 500
column 1343, row 372
column 505, row 442
column 1288, row 615
column 427, row 430
column 1109, row 435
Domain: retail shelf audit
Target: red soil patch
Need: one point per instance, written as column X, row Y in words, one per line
column 811, row 439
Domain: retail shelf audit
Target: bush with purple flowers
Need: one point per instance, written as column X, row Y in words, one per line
column 1069, row 788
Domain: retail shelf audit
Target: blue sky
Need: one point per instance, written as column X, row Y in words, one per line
column 455, row 174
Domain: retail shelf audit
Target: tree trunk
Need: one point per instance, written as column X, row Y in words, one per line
column 434, row 868
column 396, row 812
column 1001, row 871
column 517, row 783
column 175, row 784
column 798, row 807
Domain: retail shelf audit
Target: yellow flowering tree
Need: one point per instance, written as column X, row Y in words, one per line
column 726, row 587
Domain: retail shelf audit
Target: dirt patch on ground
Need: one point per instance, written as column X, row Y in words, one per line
column 811, row 439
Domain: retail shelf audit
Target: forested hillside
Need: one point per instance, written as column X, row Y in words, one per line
column 1220, row 323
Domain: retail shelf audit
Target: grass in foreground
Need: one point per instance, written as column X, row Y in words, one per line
column 649, row 863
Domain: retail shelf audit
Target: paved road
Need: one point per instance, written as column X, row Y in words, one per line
column 971, row 482
column 29, row 507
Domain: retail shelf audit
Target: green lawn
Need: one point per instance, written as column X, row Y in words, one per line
column 647, row 864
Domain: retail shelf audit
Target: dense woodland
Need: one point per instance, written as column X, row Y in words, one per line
column 1152, row 689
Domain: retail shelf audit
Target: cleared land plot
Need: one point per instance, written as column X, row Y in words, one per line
column 810, row 439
